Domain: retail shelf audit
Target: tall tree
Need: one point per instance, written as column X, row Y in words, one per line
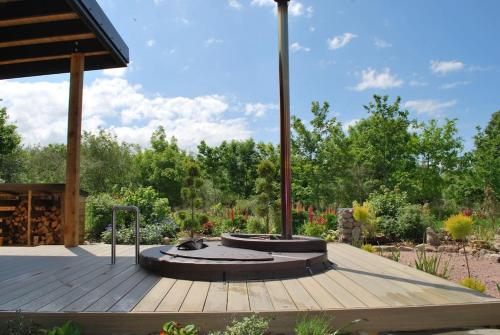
column 487, row 154
column 320, row 157
column 191, row 191
column 383, row 147
column 163, row 167
column 45, row 164
column 10, row 145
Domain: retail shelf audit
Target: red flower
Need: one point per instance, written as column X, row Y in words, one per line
column 467, row 212
column 162, row 332
column 320, row 220
column 311, row 214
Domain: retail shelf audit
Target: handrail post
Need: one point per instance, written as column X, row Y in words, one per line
column 137, row 231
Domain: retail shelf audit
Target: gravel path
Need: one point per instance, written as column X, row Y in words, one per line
column 484, row 270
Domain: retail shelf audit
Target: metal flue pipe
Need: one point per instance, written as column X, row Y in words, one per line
column 286, row 170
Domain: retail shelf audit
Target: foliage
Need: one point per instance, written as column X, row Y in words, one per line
column 153, row 208
column 474, row 284
column 365, row 214
column 331, row 235
column 256, row 225
column 10, row 144
column 19, row 325
column 459, row 226
column 98, row 214
column 252, row 325
column 331, row 221
column 432, row 264
column 150, row 234
column 314, row 229
column 388, row 203
column 412, row 223
column 174, row 328
column 299, row 218
column 46, row 164
column 368, row 248
column 313, row 325
column 69, row 328
column 267, row 190
column 191, row 195
column 394, row 255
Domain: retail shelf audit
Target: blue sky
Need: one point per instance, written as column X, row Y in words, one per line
column 207, row 69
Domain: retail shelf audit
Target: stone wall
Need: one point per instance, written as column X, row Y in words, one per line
column 349, row 229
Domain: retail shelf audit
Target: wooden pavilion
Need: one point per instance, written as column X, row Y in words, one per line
column 42, row 37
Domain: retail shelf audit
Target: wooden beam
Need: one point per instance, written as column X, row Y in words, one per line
column 51, row 39
column 72, row 192
column 30, row 206
column 46, row 58
column 38, row 19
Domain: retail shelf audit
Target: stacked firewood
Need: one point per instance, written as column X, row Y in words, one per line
column 46, row 225
column 17, row 224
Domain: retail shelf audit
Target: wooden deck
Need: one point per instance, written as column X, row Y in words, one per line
column 52, row 284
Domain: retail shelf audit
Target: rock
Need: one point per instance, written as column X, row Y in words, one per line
column 356, row 233
column 432, row 237
column 384, row 248
column 448, row 248
column 425, row 247
column 347, row 224
column 467, row 249
column 166, row 240
column 478, row 244
column 495, row 258
column 405, row 248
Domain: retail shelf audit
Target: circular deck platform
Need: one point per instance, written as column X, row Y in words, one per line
column 219, row 262
column 272, row 242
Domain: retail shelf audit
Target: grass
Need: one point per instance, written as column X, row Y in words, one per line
column 432, row 264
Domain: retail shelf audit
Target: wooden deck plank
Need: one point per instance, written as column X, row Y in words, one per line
column 259, row 297
column 91, row 297
column 57, row 300
column 153, row 298
column 280, row 298
column 172, row 302
column 195, row 298
column 129, row 300
column 237, row 297
column 216, row 297
column 300, row 296
column 437, row 288
column 108, row 300
column 323, row 297
column 342, row 295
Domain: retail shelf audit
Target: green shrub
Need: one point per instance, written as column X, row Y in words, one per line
column 150, row 234
column 368, row 248
column 19, row 325
column 331, row 221
column 388, row 226
column 365, row 214
column 174, row 328
column 313, row 325
column 69, row 328
column 153, row 208
column 256, row 225
column 314, row 229
column 412, row 223
column 432, row 264
column 299, row 219
column 388, row 202
column 473, row 284
column 252, row 325
column 459, row 226
column 98, row 214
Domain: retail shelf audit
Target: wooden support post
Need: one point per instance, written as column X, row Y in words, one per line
column 72, row 192
column 30, row 207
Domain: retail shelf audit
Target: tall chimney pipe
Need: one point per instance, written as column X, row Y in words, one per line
column 286, row 170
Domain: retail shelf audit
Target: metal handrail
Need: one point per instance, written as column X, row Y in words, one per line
column 137, row 231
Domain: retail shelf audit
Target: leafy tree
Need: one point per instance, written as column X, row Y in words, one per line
column 162, row 167
column 267, row 190
column 320, row 157
column 383, row 147
column 10, row 145
column 45, row 164
column 191, row 191
column 487, row 154
column 438, row 153
column 107, row 165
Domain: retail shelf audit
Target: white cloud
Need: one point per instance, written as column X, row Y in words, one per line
column 370, row 78
column 235, row 4
column 295, row 8
column 445, row 67
column 455, row 84
column 150, row 43
column 118, row 72
column 296, row 47
column 340, row 41
column 381, row 44
column 349, row 124
column 213, row 41
column 418, row 83
column 432, row 108
column 259, row 109
column 40, row 111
